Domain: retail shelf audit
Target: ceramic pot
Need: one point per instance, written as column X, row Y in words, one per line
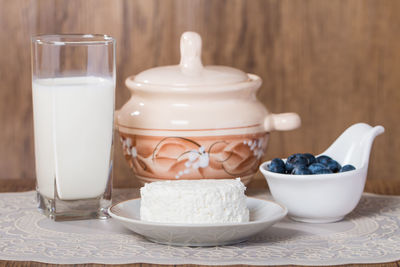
column 191, row 121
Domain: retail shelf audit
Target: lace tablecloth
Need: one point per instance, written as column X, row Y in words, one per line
column 371, row 234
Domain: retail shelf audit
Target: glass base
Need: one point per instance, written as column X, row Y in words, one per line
column 81, row 209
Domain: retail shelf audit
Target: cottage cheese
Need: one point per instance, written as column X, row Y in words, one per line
column 194, row 201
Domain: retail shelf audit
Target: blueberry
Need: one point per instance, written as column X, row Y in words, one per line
column 290, row 166
column 334, row 166
column 310, row 158
column 323, row 171
column 347, row 168
column 294, row 160
column 277, row 165
column 297, row 158
column 292, row 157
column 301, row 169
column 315, row 167
column 277, row 162
column 324, row 159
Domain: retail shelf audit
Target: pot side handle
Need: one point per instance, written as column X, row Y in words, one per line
column 282, row 122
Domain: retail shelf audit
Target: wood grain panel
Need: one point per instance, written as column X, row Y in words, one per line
column 16, row 146
column 334, row 62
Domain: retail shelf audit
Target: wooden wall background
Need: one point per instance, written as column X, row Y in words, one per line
column 335, row 62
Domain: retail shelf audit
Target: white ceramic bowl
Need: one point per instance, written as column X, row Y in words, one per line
column 325, row 198
column 321, row 198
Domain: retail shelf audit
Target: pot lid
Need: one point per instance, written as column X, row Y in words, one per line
column 190, row 71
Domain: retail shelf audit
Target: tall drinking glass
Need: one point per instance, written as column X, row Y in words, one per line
column 73, row 88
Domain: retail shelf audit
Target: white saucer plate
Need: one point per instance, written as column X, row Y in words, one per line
column 263, row 214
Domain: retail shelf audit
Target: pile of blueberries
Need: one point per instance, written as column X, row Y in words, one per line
column 307, row 164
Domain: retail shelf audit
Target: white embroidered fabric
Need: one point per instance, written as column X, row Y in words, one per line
column 370, row 234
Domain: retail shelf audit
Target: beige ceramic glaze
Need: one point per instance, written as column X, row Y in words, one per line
column 191, row 121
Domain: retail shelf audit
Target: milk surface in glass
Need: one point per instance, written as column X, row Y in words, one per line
column 73, row 123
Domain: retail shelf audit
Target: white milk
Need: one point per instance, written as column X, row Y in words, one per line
column 73, row 122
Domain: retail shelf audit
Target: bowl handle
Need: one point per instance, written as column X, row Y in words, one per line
column 282, row 122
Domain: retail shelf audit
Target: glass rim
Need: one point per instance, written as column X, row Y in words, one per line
column 73, row 39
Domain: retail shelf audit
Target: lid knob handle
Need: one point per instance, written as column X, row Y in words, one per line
column 191, row 53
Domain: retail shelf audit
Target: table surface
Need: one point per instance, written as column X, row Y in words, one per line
column 388, row 187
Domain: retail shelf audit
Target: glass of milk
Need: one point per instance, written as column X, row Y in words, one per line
column 73, row 88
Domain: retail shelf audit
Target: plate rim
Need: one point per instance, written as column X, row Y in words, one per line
column 204, row 225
